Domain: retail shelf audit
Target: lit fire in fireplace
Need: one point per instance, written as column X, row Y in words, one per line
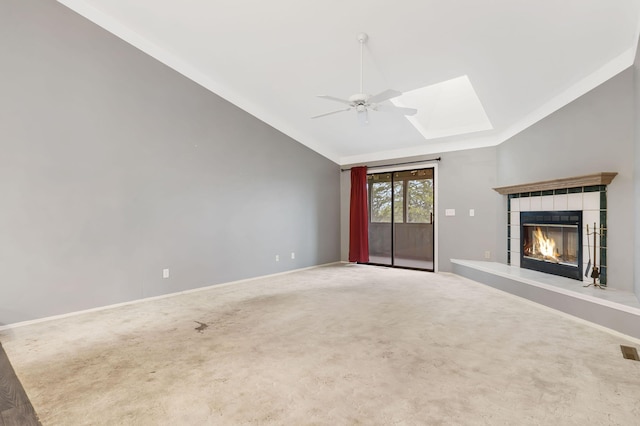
column 543, row 247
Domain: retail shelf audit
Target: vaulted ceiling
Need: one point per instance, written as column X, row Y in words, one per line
column 522, row 59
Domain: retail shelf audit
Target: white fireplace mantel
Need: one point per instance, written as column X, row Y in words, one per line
column 603, row 178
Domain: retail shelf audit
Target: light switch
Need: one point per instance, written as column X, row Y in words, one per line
column 450, row 212
column 472, row 212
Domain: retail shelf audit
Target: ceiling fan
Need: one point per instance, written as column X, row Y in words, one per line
column 362, row 102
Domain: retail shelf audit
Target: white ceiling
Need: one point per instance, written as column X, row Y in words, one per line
column 524, row 59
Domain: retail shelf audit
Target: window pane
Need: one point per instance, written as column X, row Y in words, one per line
column 381, row 202
column 419, row 200
column 398, row 205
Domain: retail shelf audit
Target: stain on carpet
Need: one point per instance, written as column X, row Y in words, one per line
column 202, row 327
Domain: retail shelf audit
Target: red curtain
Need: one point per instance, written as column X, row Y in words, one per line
column 358, row 219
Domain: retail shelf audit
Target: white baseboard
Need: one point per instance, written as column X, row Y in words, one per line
column 147, row 299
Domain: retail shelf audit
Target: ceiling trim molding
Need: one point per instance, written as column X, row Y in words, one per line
column 593, row 80
column 183, row 67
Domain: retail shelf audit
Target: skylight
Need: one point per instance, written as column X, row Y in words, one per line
column 445, row 109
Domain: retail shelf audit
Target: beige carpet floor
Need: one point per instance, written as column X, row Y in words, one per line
column 336, row 345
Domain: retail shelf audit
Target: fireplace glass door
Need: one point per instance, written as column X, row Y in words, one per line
column 552, row 242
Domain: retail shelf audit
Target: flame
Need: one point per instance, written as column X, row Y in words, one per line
column 544, row 246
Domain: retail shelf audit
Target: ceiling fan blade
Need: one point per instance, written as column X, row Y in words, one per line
column 383, row 96
column 401, row 110
column 332, row 112
column 407, row 111
column 333, row 98
column 363, row 117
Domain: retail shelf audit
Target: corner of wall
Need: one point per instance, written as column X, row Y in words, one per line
column 636, row 172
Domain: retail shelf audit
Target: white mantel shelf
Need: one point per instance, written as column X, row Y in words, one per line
column 603, row 178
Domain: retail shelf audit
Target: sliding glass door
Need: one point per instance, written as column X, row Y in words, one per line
column 401, row 224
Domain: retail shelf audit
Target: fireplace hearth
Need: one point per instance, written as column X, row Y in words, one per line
column 552, row 242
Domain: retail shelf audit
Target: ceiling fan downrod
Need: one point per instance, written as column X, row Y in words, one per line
column 362, row 38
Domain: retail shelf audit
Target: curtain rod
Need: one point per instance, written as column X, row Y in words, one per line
column 397, row 164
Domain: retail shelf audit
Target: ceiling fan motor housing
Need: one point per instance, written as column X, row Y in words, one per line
column 359, row 98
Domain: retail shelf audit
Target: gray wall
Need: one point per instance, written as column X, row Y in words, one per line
column 114, row 166
column 465, row 181
column 592, row 134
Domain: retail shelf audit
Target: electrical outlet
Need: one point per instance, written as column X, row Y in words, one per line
column 293, row 255
column 165, row 273
column 487, row 254
column 472, row 212
column 277, row 258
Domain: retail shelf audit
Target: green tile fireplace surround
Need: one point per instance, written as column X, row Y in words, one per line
column 585, row 193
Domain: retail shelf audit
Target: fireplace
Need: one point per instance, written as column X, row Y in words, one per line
column 552, row 242
column 562, row 205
